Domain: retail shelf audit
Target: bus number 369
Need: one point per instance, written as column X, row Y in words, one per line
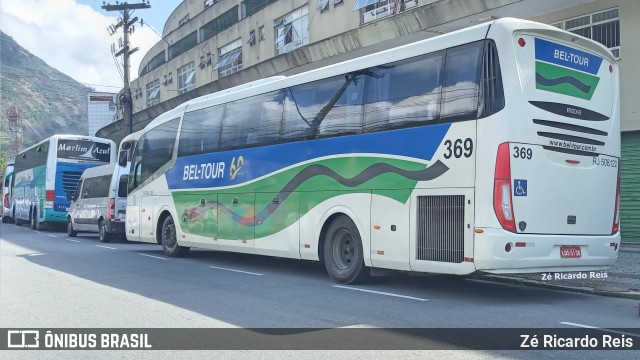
column 458, row 148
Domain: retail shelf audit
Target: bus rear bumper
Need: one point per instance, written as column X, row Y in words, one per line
column 51, row 216
column 541, row 253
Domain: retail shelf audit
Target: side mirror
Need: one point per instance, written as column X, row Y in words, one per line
column 122, row 158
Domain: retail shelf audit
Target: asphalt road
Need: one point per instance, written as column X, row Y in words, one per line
column 48, row 280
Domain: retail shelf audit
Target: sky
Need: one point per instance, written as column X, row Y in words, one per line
column 71, row 36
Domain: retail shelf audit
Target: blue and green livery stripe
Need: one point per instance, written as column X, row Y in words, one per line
column 565, row 81
column 565, row 70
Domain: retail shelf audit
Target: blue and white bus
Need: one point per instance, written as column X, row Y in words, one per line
column 495, row 148
column 47, row 173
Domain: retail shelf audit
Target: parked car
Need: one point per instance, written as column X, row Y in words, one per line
column 99, row 202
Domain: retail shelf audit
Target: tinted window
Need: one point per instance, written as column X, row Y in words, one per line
column 461, row 82
column 200, row 131
column 32, row 158
column 325, row 107
column 252, row 121
column 122, row 186
column 153, row 150
column 491, row 91
column 76, row 193
column 403, row 92
column 96, row 187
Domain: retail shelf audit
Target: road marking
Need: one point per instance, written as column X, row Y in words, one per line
column 380, row 293
column 578, row 325
column 239, row 271
column 601, row 329
column 73, row 240
column 35, row 254
column 51, row 235
column 106, row 247
column 155, row 257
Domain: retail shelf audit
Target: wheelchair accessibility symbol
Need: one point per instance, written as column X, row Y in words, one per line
column 519, row 187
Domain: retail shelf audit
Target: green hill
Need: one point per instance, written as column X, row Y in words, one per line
column 52, row 102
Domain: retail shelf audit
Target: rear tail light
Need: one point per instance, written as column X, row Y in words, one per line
column 616, row 216
column 6, row 200
column 50, row 195
column 502, row 203
column 111, row 213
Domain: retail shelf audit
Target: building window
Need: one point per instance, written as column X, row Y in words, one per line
column 229, row 59
column 154, row 63
column 252, row 38
column 371, row 10
column 153, row 92
column 183, row 20
column 250, row 7
column 323, row 5
column 261, row 33
column 186, row 78
column 184, row 44
column 219, row 24
column 292, row 30
column 603, row 27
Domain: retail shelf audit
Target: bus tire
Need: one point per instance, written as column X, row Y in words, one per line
column 40, row 225
column 103, row 234
column 70, row 231
column 169, row 239
column 343, row 255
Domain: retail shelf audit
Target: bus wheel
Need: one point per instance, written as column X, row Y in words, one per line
column 40, row 225
column 169, row 239
column 103, row 235
column 343, row 252
column 70, row 231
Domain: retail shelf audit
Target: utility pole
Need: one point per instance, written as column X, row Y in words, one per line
column 126, row 23
column 15, row 117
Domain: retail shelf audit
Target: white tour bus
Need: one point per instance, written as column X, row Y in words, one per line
column 494, row 148
column 49, row 171
column 6, row 193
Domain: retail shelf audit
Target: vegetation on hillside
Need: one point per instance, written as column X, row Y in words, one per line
column 52, row 102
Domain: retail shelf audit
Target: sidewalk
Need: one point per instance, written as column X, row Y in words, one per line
column 623, row 280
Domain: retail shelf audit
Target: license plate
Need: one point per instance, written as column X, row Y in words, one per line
column 570, row 252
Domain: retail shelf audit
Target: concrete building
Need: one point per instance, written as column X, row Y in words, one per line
column 210, row 45
column 101, row 109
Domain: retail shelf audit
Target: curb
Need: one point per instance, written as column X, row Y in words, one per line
column 584, row 290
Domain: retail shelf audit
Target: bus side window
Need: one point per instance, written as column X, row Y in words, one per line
column 156, row 150
column 403, row 93
column 136, row 165
column 200, row 131
column 252, row 121
column 461, row 82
